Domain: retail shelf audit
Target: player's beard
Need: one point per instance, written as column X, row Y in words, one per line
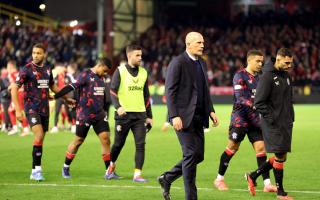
column 38, row 63
column 137, row 64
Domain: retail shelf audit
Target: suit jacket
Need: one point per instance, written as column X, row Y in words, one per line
column 181, row 90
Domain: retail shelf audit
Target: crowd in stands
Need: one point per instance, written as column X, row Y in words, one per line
column 62, row 45
column 225, row 48
column 226, row 45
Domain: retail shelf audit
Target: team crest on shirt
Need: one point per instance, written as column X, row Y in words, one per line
column 277, row 83
column 91, row 79
column 108, row 80
column 106, row 118
column 34, row 73
column 86, row 124
column 34, row 120
column 18, row 78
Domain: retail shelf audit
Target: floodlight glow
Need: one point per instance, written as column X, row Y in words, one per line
column 42, row 7
column 18, row 23
column 73, row 23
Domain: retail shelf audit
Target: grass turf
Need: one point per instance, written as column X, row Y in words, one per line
column 162, row 152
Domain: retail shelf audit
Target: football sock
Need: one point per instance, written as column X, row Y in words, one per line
column 224, row 161
column 69, row 158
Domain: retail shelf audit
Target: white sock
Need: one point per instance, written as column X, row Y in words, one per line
column 267, row 182
column 64, row 165
column 220, row 178
column 38, row 168
column 26, row 129
column 137, row 172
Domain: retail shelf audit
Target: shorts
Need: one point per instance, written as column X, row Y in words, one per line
column 99, row 126
column 237, row 134
column 35, row 119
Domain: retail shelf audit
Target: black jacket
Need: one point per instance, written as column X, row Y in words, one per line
column 181, row 90
column 273, row 98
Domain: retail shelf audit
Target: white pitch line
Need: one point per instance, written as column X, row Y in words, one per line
column 133, row 186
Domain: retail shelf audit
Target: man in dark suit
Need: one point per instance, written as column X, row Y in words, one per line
column 189, row 106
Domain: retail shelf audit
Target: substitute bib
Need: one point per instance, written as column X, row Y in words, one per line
column 130, row 91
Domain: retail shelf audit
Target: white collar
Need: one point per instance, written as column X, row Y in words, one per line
column 191, row 56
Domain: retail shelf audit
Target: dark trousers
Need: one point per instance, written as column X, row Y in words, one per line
column 192, row 144
column 7, row 121
column 122, row 128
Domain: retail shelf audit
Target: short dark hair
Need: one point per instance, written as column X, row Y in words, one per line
column 254, row 52
column 13, row 62
column 105, row 61
column 40, row 46
column 284, row 52
column 132, row 47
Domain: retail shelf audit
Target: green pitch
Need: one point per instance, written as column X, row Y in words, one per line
column 302, row 176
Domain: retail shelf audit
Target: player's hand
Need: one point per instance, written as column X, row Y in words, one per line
column 9, row 88
column 149, row 121
column 19, row 115
column 214, row 119
column 177, row 123
column 121, row 111
column 148, row 124
column 71, row 102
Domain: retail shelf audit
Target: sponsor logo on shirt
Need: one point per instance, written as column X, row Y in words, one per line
column 98, row 90
column 134, row 88
column 237, row 87
column 43, row 83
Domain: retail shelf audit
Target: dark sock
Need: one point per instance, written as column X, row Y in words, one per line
column 224, row 161
column 261, row 159
column 36, row 155
column 278, row 175
column 265, row 167
column 69, row 158
column 106, row 159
